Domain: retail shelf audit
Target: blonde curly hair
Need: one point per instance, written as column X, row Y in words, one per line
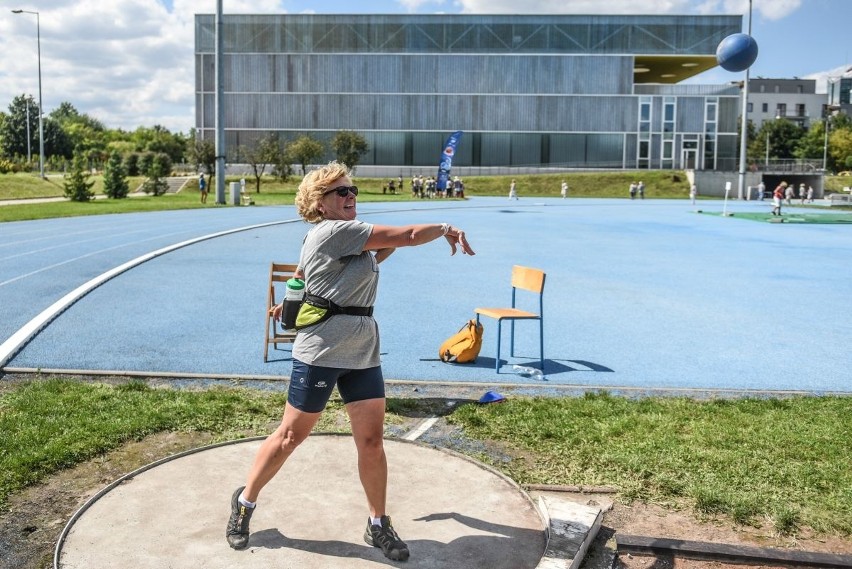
column 313, row 188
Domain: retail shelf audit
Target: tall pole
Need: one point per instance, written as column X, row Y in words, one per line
column 29, row 138
column 766, row 166
column 220, row 109
column 40, row 104
column 744, row 122
column 825, row 145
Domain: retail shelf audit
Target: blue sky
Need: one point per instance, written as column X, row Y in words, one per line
column 133, row 64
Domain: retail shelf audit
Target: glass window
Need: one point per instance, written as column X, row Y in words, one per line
column 765, row 107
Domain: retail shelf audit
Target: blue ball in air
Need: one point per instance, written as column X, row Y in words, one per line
column 736, row 52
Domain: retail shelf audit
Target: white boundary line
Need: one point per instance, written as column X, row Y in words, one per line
column 24, row 334
column 417, row 432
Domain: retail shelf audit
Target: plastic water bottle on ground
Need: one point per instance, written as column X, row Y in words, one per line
column 531, row 372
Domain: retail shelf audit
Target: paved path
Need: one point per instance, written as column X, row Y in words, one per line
column 640, row 295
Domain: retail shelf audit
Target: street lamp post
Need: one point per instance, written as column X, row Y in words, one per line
column 40, row 105
column 744, row 121
column 29, row 138
column 766, row 166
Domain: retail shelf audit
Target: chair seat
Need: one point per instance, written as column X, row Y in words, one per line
column 501, row 313
column 525, row 279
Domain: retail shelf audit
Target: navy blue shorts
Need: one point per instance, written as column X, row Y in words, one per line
column 311, row 386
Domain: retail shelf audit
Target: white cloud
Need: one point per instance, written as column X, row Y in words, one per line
column 127, row 63
column 769, row 9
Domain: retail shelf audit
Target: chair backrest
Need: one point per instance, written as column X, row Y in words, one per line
column 528, row 279
column 281, row 273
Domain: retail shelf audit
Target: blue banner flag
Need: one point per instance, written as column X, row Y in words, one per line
column 447, row 159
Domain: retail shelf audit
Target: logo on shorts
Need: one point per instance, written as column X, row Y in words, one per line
column 320, row 384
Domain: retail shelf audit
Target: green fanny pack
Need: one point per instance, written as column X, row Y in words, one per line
column 316, row 309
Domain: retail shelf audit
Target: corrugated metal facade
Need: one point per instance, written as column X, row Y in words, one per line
column 527, row 90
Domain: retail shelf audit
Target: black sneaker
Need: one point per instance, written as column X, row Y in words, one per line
column 238, row 525
column 386, row 538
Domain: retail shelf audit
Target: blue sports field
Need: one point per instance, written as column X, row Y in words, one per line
column 643, row 294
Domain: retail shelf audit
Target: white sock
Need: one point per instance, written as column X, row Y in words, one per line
column 376, row 521
column 245, row 502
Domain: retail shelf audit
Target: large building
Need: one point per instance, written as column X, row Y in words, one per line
column 539, row 91
column 795, row 100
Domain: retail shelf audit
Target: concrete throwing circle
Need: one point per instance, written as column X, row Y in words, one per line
column 452, row 512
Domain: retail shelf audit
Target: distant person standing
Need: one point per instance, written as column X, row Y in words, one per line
column 777, row 196
column 202, row 187
column 564, row 190
column 641, row 189
column 761, row 189
column 810, row 194
column 693, row 192
column 513, row 191
column 789, row 192
column 632, row 190
column 803, row 193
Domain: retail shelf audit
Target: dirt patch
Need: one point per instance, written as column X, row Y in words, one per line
column 34, row 518
column 655, row 521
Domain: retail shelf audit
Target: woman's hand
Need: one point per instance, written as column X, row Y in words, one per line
column 276, row 311
column 457, row 237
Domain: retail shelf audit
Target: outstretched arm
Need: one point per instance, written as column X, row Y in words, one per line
column 384, row 236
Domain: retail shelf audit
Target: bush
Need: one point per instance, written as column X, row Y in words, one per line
column 7, row 167
column 155, row 184
column 77, row 184
column 131, row 164
column 115, row 178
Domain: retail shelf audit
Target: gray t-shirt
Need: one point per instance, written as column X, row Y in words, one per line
column 336, row 267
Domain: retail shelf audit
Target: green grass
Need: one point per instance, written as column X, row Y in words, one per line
column 832, row 216
column 25, row 186
column 659, row 184
column 785, row 460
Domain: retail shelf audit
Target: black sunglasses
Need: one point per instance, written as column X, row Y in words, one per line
column 343, row 191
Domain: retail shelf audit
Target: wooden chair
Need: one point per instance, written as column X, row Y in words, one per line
column 275, row 333
column 523, row 278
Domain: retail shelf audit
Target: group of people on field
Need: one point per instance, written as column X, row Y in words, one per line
column 427, row 188
column 787, row 192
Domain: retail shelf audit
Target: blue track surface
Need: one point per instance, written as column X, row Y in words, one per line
column 643, row 294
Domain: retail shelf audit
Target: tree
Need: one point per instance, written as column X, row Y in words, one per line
column 131, row 164
column 305, row 150
column 840, row 147
column 158, row 169
column 783, row 137
column 349, row 147
column 283, row 168
column 265, row 152
column 77, row 185
column 56, row 140
column 13, row 135
column 812, row 143
column 145, row 162
column 202, row 153
column 115, row 178
column 159, row 139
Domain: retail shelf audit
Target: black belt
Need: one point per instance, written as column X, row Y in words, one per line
column 336, row 308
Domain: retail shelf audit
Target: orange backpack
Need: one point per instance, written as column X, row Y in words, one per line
column 463, row 346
